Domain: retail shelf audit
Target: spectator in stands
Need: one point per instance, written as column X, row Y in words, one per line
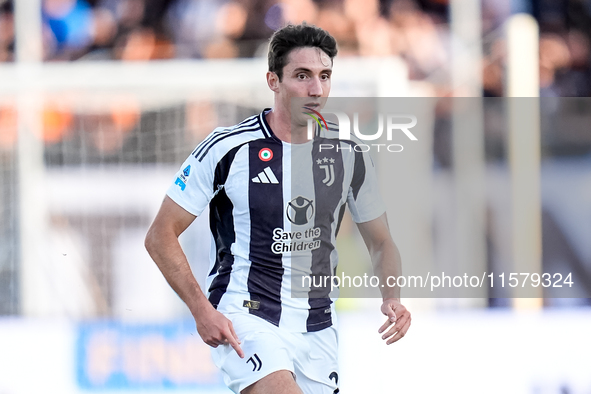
column 6, row 32
column 70, row 23
column 418, row 40
column 554, row 57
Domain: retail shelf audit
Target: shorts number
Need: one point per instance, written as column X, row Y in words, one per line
column 336, row 380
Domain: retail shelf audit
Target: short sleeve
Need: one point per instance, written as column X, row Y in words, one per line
column 193, row 186
column 364, row 199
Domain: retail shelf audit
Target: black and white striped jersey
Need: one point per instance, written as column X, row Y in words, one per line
column 275, row 211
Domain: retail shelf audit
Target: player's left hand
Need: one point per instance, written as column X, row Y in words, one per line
column 398, row 316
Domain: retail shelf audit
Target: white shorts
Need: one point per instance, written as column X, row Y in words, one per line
column 310, row 356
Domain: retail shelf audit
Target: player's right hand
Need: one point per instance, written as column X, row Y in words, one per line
column 216, row 329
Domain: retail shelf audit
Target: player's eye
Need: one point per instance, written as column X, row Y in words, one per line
column 301, row 76
column 325, row 77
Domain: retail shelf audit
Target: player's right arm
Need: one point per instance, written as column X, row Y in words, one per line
column 163, row 246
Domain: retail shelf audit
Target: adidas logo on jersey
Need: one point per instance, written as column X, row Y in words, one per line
column 266, row 176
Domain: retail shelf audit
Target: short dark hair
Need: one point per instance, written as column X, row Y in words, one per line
column 290, row 37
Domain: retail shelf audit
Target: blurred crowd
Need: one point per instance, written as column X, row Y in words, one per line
column 416, row 30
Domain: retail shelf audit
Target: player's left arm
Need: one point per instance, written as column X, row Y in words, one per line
column 385, row 258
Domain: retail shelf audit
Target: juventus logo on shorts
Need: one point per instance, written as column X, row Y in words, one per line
column 256, row 362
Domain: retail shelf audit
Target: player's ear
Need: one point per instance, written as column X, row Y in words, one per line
column 273, row 81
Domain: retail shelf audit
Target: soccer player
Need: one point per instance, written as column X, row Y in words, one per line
column 276, row 201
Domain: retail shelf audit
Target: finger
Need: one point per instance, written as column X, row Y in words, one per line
column 401, row 333
column 391, row 313
column 212, row 344
column 384, row 326
column 399, row 324
column 396, row 330
column 235, row 345
column 234, row 333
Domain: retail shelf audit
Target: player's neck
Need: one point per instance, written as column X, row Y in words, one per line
column 280, row 123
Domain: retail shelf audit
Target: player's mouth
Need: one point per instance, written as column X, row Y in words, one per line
column 312, row 106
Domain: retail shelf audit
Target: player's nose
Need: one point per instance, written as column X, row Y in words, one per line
column 315, row 88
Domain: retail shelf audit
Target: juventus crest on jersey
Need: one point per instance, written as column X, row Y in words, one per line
column 275, row 211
